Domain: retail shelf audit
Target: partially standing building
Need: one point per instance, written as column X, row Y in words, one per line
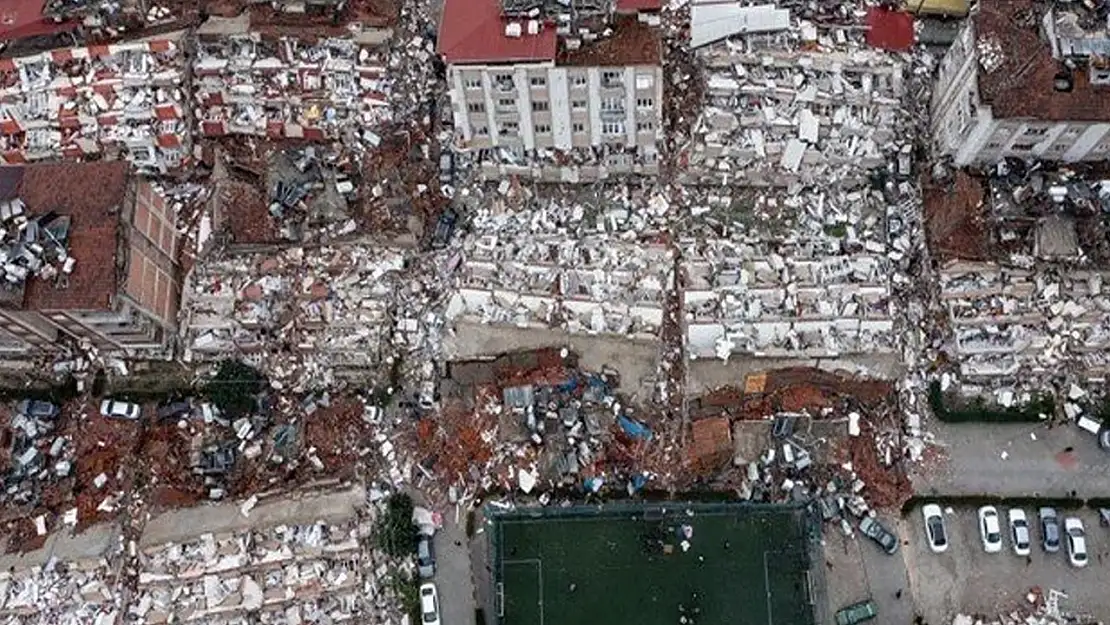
column 561, row 91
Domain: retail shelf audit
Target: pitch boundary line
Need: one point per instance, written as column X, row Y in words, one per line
column 539, row 577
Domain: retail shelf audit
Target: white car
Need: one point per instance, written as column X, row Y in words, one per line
column 990, row 530
column 1019, row 531
column 429, row 604
column 1077, row 541
column 120, row 409
column 934, row 528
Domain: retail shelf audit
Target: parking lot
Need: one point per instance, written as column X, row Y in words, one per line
column 967, row 579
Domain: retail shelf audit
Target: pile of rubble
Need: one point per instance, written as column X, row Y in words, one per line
column 287, row 88
column 69, row 593
column 281, row 575
column 305, row 317
column 124, row 99
column 1044, row 609
column 39, row 454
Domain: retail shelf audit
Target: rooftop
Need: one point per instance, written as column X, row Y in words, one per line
column 90, row 193
column 631, row 43
column 473, row 31
column 1017, row 69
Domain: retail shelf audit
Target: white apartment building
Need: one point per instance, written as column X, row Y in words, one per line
column 1007, row 89
column 523, row 97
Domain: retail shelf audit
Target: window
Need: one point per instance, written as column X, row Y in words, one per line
column 579, row 80
column 611, row 104
column 1036, row 132
column 537, row 81
column 503, row 78
column 543, row 129
column 509, row 128
column 1021, row 147
column 481, row 131
column 610, row 79
column 1073, row 131
column 504, row 82
column 578, row 105
column 578, row 128
column 645, row 103
column 476, row 107
column 473, row 83
column 993, row 145
column 645, row 81
column 539, row 105
column 612, row 128
column 506, row 103
column 644, row 127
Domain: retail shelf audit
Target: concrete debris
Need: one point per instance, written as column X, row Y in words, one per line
column 124, row 100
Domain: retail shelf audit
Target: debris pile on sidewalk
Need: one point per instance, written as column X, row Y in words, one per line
column 305, row 317
column 97, row 101
column 38, row 455
column 1042, row 609
column 66, row 593
column 1029, row 305
column 285, row 574
column 285, row 88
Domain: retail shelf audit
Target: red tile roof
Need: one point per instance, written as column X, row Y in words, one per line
column 889, row 30
column 639, row 5
column 23, row 18
column 472, row 31
column 1022, row 86
column 92, row 195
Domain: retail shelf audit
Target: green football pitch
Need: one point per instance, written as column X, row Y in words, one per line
column 742, row 565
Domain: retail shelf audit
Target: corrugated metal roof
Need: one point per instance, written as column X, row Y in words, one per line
column 473, row 31
column 713, row 20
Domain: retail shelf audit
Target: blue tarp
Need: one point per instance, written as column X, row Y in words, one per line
column 637, row 482
column 593, row 484
column 568, row 386
column 634, row 429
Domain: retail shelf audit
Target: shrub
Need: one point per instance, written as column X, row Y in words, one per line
column 396, row 533
column 977, row 410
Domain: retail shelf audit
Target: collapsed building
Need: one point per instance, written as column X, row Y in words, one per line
column 1026, row 82
column 290, row 88
column 789, row 103
column 122, row 100
column 304, row 316
column 555, row 91
column 90, row 257
column 1025, row 299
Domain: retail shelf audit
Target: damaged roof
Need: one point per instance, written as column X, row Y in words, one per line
column 91, row 194
column 1021, row 85
column 473, row 31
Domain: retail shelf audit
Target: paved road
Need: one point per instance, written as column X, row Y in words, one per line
column 453, row 575
column 1036, row 463
column 857, row 569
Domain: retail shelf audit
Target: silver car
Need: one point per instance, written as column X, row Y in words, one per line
column 425, row 557
column 1050, row 529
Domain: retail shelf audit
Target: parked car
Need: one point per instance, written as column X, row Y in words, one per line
column 934, row 528
column 876, row 532
column 43, row 410
column 120, row 409
column 1019, row 531
column 446, row 167
column 856, row 613
column 1050, row 530
column 425, row 557
column 1077, row 541
column 174, row 410
column 429, row 604
column 990, row 530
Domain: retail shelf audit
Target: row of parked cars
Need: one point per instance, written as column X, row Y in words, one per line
column 991, row 533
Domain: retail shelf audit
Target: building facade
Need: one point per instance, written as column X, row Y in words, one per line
column 520, row 88
column 106, row 273
column 1003, row 90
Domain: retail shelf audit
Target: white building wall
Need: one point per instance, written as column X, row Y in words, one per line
column 593, row 88
column 1086, row 142
column 559, row 97
column 630, row 106
column 524, row 107
column 458, row 103
column 487, row 97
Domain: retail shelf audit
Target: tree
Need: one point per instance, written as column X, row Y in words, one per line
column 396, row 533
column 234, row 387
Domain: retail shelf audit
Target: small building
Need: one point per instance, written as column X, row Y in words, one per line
column 584, row 79
column 1022, row 83
column 90, row 257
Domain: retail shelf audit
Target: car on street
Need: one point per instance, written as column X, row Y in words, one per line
column 876, row 532
column 934, row 528
column 425, row 557
column 857, row 613
column 43, row 410
column 1077, row 541
column 429, row 604
column 1050, row 529
column 1019, row 531
column 990, row 530
column 120, row 409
